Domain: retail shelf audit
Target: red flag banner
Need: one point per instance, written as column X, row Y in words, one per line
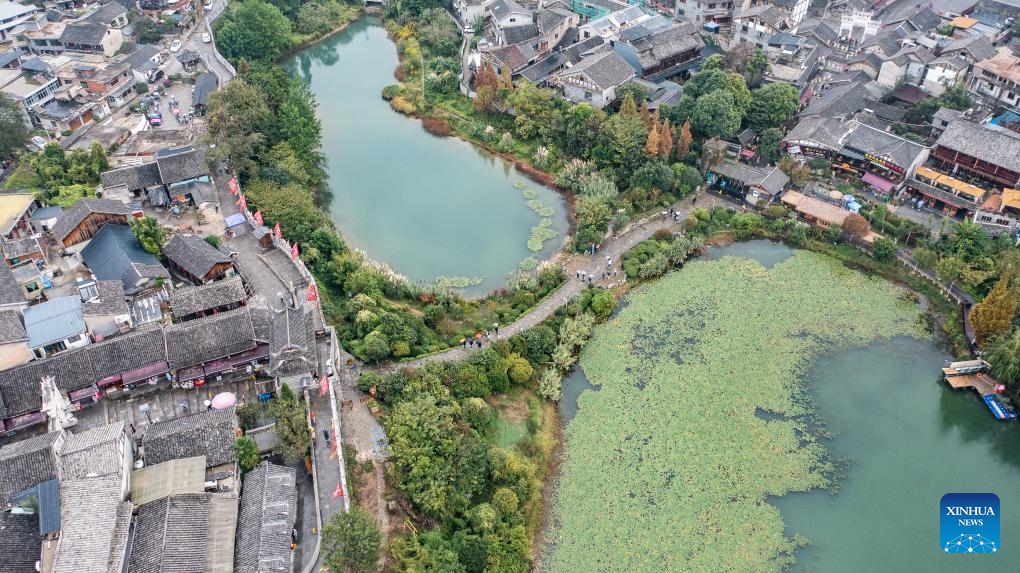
column 294, row 252
column 278, row 232
column 258, row 217
column 339, row 491
column 313, row 294
column 233, row 186
column 242, row 203
column 323, row 385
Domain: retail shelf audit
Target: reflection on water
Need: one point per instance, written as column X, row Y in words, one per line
column 425, row 205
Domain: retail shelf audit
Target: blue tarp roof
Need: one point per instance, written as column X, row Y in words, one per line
column 234, row 220
column 54, row 320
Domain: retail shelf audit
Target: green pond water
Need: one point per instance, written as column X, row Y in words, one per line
column 427, row 206
column 904, row 439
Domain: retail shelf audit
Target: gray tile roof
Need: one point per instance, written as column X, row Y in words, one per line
column 605, row 70
column 655, row 48
column 817, row 29
column 999, row 147
column 211, row 434
column 217, row 336
column 261, row 317
column 884, row 144
column 142, row 347
column 20, row 542
column 194, row 299
column 71, row 218
column 518, row 34
column 10, row 292
column 141, row 59
column 96, row 452
column 26, row 463
column 10, row 55
column 181, row 166
column 106, row 14
column 194, row 255
column 93, row 526
column 205, row 85
column 11, row 329
column 976, row 47
column 170, row 535
column 54, row 320
column 509, row 55
column 549, row 18
column 114, row 253
column 84, row 34
column 188, row 55
column 772, row 179
column 292, row 349
column 265, row 521
column 842, row 98
column 135, row 177
column 111, row 300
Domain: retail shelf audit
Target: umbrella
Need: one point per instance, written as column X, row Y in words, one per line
column 224, row 400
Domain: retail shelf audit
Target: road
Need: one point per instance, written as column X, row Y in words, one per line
column 207, row 51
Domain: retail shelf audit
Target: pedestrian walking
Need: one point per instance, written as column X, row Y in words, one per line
column 497, row 330
column 577, row 275
column 590, row 279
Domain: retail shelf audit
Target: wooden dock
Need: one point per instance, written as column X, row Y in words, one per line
column 980, row 381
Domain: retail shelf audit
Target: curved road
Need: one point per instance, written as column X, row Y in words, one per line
column 613, row 247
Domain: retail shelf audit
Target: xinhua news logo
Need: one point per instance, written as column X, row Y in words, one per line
column 969, row 523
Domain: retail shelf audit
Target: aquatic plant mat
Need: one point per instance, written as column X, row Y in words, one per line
column 668, row 467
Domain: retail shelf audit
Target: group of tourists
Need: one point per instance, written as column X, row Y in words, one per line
column 468, row 342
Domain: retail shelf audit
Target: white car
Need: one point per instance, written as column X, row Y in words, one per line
column 207, row 37
column 207, row 7
column 175, row 46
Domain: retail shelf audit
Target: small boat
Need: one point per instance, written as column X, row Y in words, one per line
column 1000, row 407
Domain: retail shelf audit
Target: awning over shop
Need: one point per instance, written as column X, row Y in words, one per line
column 847, row 152
column 234, row 220
column 145, row 372
column 108, row 381
column 877, row 182
column 83, row 393
column 221, row 364
column 190, row 373
column 24, row 421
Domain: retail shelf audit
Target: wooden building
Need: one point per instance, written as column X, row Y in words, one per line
column 86, row 217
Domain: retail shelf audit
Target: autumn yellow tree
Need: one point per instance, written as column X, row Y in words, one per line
column 683, row 143
column 994, row 315
column 505, row 80
column 652, row 145
column 627, row 107
column 665, row 141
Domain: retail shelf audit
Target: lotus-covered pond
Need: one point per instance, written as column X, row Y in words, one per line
column 706, row 414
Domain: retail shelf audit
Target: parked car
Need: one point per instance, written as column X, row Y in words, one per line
column 175, row 46
column 39, row 142
column 207, row 6
column 207, row 37
column 155, row 118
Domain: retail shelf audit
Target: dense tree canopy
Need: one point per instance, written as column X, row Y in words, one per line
column 351, row 542
column 254, row 30
column 716, row 115
column 772, row 106
column 13, row 129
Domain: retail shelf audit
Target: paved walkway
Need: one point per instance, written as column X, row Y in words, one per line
column 612, row 247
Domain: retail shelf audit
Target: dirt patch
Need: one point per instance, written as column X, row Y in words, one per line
column 512, row 408
column 721, row 239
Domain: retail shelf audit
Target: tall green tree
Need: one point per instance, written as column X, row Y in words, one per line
column 768, row 144
column 235, row 112
column 351, row 542
column 150, row 234
column 13, row 129
column 247, row 453
column 292, row 436
column 254, row 30
column 1004, row 356
column 772, row 106
column 716, row 115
